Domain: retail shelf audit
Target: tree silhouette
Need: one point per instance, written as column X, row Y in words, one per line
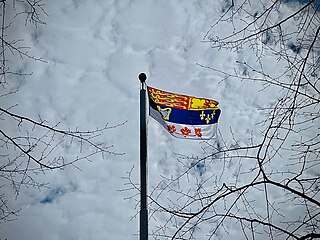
column 30, row 146
column 267, row 187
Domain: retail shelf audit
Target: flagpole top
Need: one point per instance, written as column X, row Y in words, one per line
column 142, row 77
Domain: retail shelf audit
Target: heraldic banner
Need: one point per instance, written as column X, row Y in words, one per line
column 184, row 116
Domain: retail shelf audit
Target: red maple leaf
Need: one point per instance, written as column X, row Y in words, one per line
column 198, row 132
column 171, row 129
column 185, row 131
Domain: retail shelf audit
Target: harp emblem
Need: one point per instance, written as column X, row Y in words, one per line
column 165, row 112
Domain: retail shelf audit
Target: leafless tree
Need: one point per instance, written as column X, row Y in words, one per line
column 267, row 187
column 32, row 146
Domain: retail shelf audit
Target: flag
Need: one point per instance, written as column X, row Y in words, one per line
column 184, row 116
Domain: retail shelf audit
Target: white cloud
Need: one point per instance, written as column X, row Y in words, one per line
column 95, row 50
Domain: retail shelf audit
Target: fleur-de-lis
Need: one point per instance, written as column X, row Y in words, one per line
column 208, row 118
column 202, row 115
column 213, row 113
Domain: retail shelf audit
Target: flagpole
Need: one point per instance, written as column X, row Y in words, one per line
column 143, row 160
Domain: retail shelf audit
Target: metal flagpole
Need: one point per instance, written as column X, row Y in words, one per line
column 143, row 160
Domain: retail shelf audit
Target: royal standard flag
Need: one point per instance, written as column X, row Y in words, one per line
column 184, row 116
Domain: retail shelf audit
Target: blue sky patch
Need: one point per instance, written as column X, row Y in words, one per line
column 53, row 195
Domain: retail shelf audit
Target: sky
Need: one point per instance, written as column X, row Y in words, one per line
column 94, row 51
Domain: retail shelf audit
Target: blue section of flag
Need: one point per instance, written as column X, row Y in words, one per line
column 182, row 116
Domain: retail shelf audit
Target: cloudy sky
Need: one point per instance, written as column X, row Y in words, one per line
column 94, row 51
